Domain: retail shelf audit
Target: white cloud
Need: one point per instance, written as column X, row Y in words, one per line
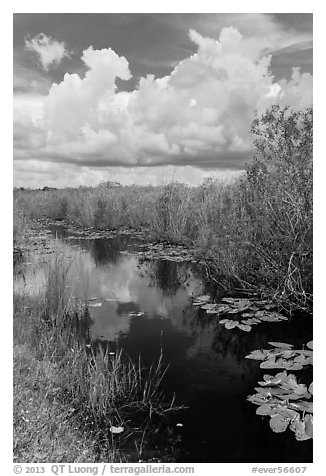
column 50, row 52
column 198, row 115
column 36, row 173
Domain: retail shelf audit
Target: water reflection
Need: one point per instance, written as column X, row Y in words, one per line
column 145, row 306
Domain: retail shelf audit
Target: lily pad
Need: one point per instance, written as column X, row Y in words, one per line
column 257, row 355
column 231, row 324
column 208, row 306
column 267, row 409
column 302, row 406
column 311, row 388
column 244, row 327
column 287, row 412
column 281, row 345
column 302, row 359
column 270, row 364
column 277, row 380
column 259, row 399
column 299, row 427
column 294, row 366
column 300, row 389
column 310, row 345
column 272, row 391
column 279, row 423
column 309, row 424
column 250, row 315
column 223, row 321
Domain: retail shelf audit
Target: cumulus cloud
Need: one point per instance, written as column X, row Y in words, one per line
column 198, row 115
column 50, row 52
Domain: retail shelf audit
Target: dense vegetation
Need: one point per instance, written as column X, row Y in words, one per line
column 74, row 401
column 255, row 232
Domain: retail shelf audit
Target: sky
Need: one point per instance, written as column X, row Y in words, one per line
column 148, row 98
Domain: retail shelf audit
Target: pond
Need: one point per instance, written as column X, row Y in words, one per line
column 145, row 306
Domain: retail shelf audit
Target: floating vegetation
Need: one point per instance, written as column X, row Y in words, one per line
column 231, row 324
column 282, row 356
column 167, row 252
column 281, row 397
column 248, row 312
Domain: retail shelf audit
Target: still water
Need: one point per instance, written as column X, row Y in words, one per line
column 144, row 306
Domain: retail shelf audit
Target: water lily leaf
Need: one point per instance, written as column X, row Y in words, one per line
column 279, row 316
column 269, row 364
column 244, row 327
column 288, row 354
column 307, row 353
column 299, row 427
column 278, row 423
column 290, row 396
column 221, row 309
column 309, row 424
column 116, row 429
column 302, row 359
column 294, row 366
column 254, row 308
column 282, row 375
column 276, row 391
column 246, row 322
column 258, row 399
column 260, row 314
column 266, row 318
column 311, row 388
column 201, row 300
column 231, row 324
column 249, row 314
column 234, row 311
column 281, row 345
column 267, row 409
column 277, row 380
column 257, row 355
column 302, row 406
column 250, row 322
column 300, row 389
column 310, row 345
column 208, row 306
column 287, row 412
column 290, row 382
column 267, row 377
column 224, row 321
column 236, row 301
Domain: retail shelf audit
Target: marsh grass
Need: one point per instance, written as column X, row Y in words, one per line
column 254, row 233
column 80, row 389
